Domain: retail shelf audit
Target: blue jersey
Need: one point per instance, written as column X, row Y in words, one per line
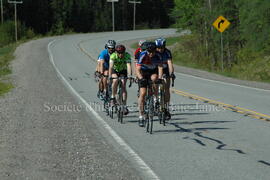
column 166, row 55
column 148, row 63
column 105, row 55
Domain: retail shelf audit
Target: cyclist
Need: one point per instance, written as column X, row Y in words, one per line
column 137, row 55
column 103, row 66
column 139, row 50
column 120, row 66
column 149, row 67
column 168, row 71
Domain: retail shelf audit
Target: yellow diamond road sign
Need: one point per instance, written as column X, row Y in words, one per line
column 221, row 24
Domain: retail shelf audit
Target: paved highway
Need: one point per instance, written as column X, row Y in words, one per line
column 202, row 141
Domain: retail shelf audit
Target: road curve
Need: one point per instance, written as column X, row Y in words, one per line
column 202, row 141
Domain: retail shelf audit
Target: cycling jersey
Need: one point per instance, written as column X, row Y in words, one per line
column 148, row 63
column 104, row 55
column 166, row 55
column 137, row 51
column 120, row 64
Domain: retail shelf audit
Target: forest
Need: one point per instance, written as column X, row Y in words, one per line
column 246, row 42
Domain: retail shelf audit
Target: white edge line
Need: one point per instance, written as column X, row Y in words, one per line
column 143, row 166
column 216, row 81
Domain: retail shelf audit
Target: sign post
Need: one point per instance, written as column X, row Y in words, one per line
column 15, row 16
column 112, row 1
column 134, row 12
column 221, row 24
column 2, row 13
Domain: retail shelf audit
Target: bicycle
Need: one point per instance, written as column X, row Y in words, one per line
column 119, row 106
column 106, row 98
column 149, row 106
column 161, row 106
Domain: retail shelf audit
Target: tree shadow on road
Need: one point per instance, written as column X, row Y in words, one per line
column 198, row 133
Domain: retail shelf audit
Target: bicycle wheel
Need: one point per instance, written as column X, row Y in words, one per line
column 151, row 109
column 147, row 124
column 161, row 101
column 163, row 118
column 151, row 119
column 111, row 111
column 120, row 114
column 120, row 107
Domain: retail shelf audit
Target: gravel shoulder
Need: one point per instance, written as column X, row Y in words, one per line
column 206, row 74
column 38, row 142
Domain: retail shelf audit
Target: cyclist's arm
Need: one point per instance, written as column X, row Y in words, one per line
column 111, row 67
column 97, row 67
column 170, row 65
column 160, row 71
column 101, row 63
column 129, row 69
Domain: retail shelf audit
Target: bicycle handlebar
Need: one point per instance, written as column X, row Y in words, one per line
column 124, row 78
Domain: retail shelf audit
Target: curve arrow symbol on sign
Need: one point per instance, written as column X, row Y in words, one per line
column 221, row 22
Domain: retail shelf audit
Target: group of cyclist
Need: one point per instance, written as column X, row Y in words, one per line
column 153, row 63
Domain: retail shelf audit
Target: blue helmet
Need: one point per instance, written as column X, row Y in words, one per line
column 160, row 42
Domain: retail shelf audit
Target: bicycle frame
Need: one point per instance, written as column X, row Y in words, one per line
column 149, row 107
column 119, row 106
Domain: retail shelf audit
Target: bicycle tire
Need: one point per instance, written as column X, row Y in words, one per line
column 163, row 118
column 147, row 124
column 151, row 124
column 121, row 114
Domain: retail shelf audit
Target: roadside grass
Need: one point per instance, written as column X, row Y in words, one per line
column 250, row 66
column 6, row 55
column 5, row 87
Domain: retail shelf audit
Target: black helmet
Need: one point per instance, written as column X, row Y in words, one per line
column 144, row 45
column 120, row 48
column 151, row 47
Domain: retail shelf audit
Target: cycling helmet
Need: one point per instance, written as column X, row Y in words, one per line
column 120, row 48
column 110, row 44
column 141, row 42
column 151, row 47
column 144, row 46
column 160, row 42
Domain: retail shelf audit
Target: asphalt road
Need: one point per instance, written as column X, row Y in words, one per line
column 53, row 126
column 202, row 141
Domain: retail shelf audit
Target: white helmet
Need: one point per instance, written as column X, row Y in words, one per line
column 141, row 42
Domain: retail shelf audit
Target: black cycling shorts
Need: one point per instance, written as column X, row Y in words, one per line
column 121, row 73
column 147, row 75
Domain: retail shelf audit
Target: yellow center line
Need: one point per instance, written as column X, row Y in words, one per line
column 247, row 112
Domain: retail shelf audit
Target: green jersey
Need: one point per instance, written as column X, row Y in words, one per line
column 120, row 64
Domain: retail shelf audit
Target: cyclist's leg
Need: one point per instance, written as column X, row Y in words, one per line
column 142, row 91
column 125, row 96
column 105, row 80
column 141, row 100
column 167, row 91
column 154, row 78
column 167, row 86
column 167, row 94
column 124, row 74
column 114, row 84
